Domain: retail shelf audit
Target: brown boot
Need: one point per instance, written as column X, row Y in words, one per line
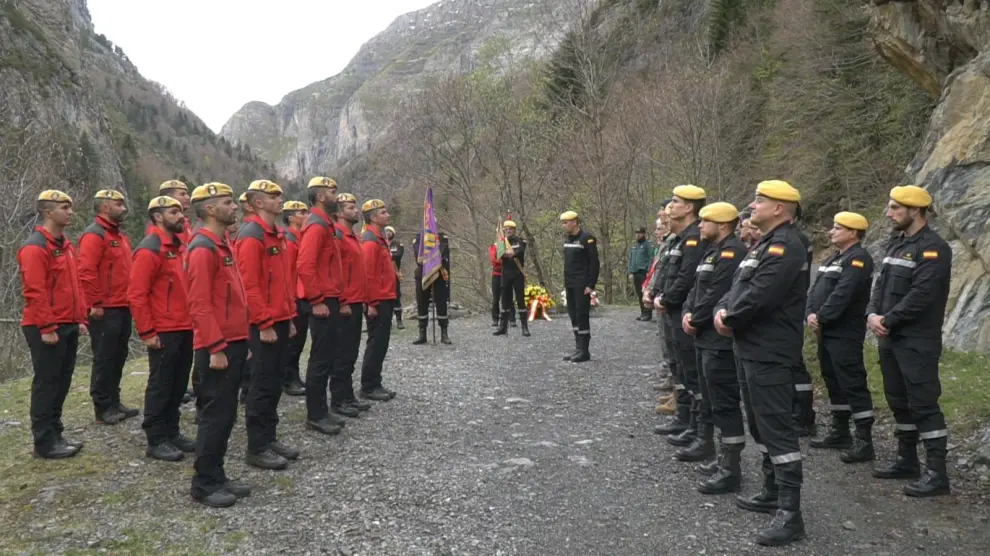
column 668, row 407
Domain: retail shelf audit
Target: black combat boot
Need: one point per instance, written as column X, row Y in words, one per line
column 764, row 501
column 583, row 354
column 703, row 446
column 862, row 447
column 444, row 338
column 728, row 477
column 838, row 437
column 422, row 335
column 577, row 347
column 935, row 480
column 398, row 321
column 525, row 326
column 708, row 468
column 787, row 525
column 906, row 465
column 677, row 425
column 494, row 321
column 687, row 436
column 503, row 325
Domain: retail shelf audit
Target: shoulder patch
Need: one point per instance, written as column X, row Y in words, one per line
column 591, row 240
column 857, row 263
column 36, row 239
column 337, row 233
column 252, row 230
column 151, row 242
column 201, row 241
column 691, row 243
column 95, row 228
column 315, row 219
column 368, row 235
column 776, row 250
column 727, row 254
column 929, row 255
column 290, row 236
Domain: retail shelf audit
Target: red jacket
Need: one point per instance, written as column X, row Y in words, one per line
column 496, row 261
column 216, row 295
column 158, row 289
column 319, row 258
column 380, row 283
column 261, row 261
column 104, row 264
column 185, row 236
column 291, row 259
column 50, row 282
column 352, row 262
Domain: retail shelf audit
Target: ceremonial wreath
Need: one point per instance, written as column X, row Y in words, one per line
column 539, row 301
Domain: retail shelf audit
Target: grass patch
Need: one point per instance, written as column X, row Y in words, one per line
column 965, row 384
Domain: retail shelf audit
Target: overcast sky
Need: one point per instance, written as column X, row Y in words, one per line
column 217, row 55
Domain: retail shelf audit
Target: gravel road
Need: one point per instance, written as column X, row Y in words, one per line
column 494, row 446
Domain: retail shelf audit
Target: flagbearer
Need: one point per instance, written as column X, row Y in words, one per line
column 104, row 268
column 380, row 295
column 439, row 290
column 294, row 213
column 261, row 262
column 513, row 279
column 581, row 267
column 158, row 297
column 54, row 316
column 396, row 248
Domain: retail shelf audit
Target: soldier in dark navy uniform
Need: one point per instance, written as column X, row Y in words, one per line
column 906, row 312
column 581, row 266
column 513, row 280
column 397, row 250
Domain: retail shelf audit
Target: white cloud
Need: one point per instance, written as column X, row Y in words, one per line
column 217, row 55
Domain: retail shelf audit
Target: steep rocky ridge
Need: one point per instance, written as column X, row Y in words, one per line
column 326, row 123
column 944, row 45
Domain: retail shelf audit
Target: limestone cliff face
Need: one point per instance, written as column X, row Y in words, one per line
column 945, row 46
column 321, row 126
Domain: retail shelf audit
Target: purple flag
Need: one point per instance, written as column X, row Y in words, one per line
column 429, row 245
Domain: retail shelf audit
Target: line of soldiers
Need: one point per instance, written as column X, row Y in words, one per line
column 733, row 317
column 228, row 303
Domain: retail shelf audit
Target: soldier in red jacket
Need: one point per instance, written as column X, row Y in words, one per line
column 294, row 213
column 319, row 277
column 157, row 294
column 180, row 192
column 267, row 285
column 219, row 313
column 496, row 283
column 104, row 268
column 54, row 317
column 380, row 295
column 353, row 294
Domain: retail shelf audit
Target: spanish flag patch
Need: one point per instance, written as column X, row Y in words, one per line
column 857, row 263
column 776, row 250
column 929, row 255
column 727, row 255
column 591, row 240
column 691, row 243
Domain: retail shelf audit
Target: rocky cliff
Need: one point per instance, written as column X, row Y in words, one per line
column 944, row 45
column 321, row 126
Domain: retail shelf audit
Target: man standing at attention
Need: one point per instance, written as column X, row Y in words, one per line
column 380, row 293
column 640, row 257
column 581, row 267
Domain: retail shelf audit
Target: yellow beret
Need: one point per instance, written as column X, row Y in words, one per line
column 851, row 220
column 372, row 204
column 911, row 196
column 265, row 186
column 109, row 194
column 689, row 192
column 321, row 181
column 719, row 213
column 163, row 201
column 210, row 191
column 569, row 215
column 346, row 198
column 508, row 224
column 389, row 229
column 242, row 198
column 294, row 205
column 778, row 190
column 172, row 184
column 55, row 196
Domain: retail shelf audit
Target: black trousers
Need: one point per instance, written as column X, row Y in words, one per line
column 53, row 367
column 297, row 342
column 720, row 388
column 438, row 291
column 219, row 390
column 109, row 336
column 638, row 279
column 379, row 335
column 168, row 376
column 579, row 309
column 844, row 373
column 912, row 387
column 768, row 393
column 397, row 309
column 322, row 354
column 687, row 384
column 261, row 409
column 342, row 381
column 514, row 286
column 496, row 296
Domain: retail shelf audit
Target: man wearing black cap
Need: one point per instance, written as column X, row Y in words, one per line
column 640, row 256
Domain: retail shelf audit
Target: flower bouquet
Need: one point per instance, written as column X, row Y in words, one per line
column 539, row 301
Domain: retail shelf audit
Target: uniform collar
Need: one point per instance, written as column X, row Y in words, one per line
column 213, row 237
column 780, row 227
column 692, row 226
column 378, row 233
column 273, row 229
column 173, row 241
column 50, row 238
column 107, row 223
column 348, row 230
column 925, row 230
column 318, row 211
